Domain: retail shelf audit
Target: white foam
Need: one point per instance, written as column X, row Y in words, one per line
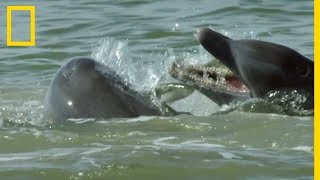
column 308, row 149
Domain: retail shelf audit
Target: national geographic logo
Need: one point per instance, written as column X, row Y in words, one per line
column 32, row 38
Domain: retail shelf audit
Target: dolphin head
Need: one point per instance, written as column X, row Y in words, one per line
column 84, row 88
column 77, row 90
column 262, row 66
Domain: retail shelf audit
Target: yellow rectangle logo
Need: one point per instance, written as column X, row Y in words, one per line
column 32, row 25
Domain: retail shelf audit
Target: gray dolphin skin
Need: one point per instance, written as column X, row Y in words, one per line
column 255, row 68
column 84, row 88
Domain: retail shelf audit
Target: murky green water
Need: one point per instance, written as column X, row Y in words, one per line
column 147, row 35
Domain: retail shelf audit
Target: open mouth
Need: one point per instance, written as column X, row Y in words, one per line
column 215, row 78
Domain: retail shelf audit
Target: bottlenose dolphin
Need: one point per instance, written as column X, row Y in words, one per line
column 84, row 88
column 256, row 69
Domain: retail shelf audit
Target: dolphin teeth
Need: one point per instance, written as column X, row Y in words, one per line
column 207, row 77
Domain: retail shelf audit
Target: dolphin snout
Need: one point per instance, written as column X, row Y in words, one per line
column 203, row 35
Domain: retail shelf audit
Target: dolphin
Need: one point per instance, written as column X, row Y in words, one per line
column 85, row 88
column 256, row 68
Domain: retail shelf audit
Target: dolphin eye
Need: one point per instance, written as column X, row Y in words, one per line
column 303, row 71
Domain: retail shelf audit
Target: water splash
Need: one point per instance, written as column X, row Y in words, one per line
column 148, row 71
column 144, row 74
column 17, row 112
